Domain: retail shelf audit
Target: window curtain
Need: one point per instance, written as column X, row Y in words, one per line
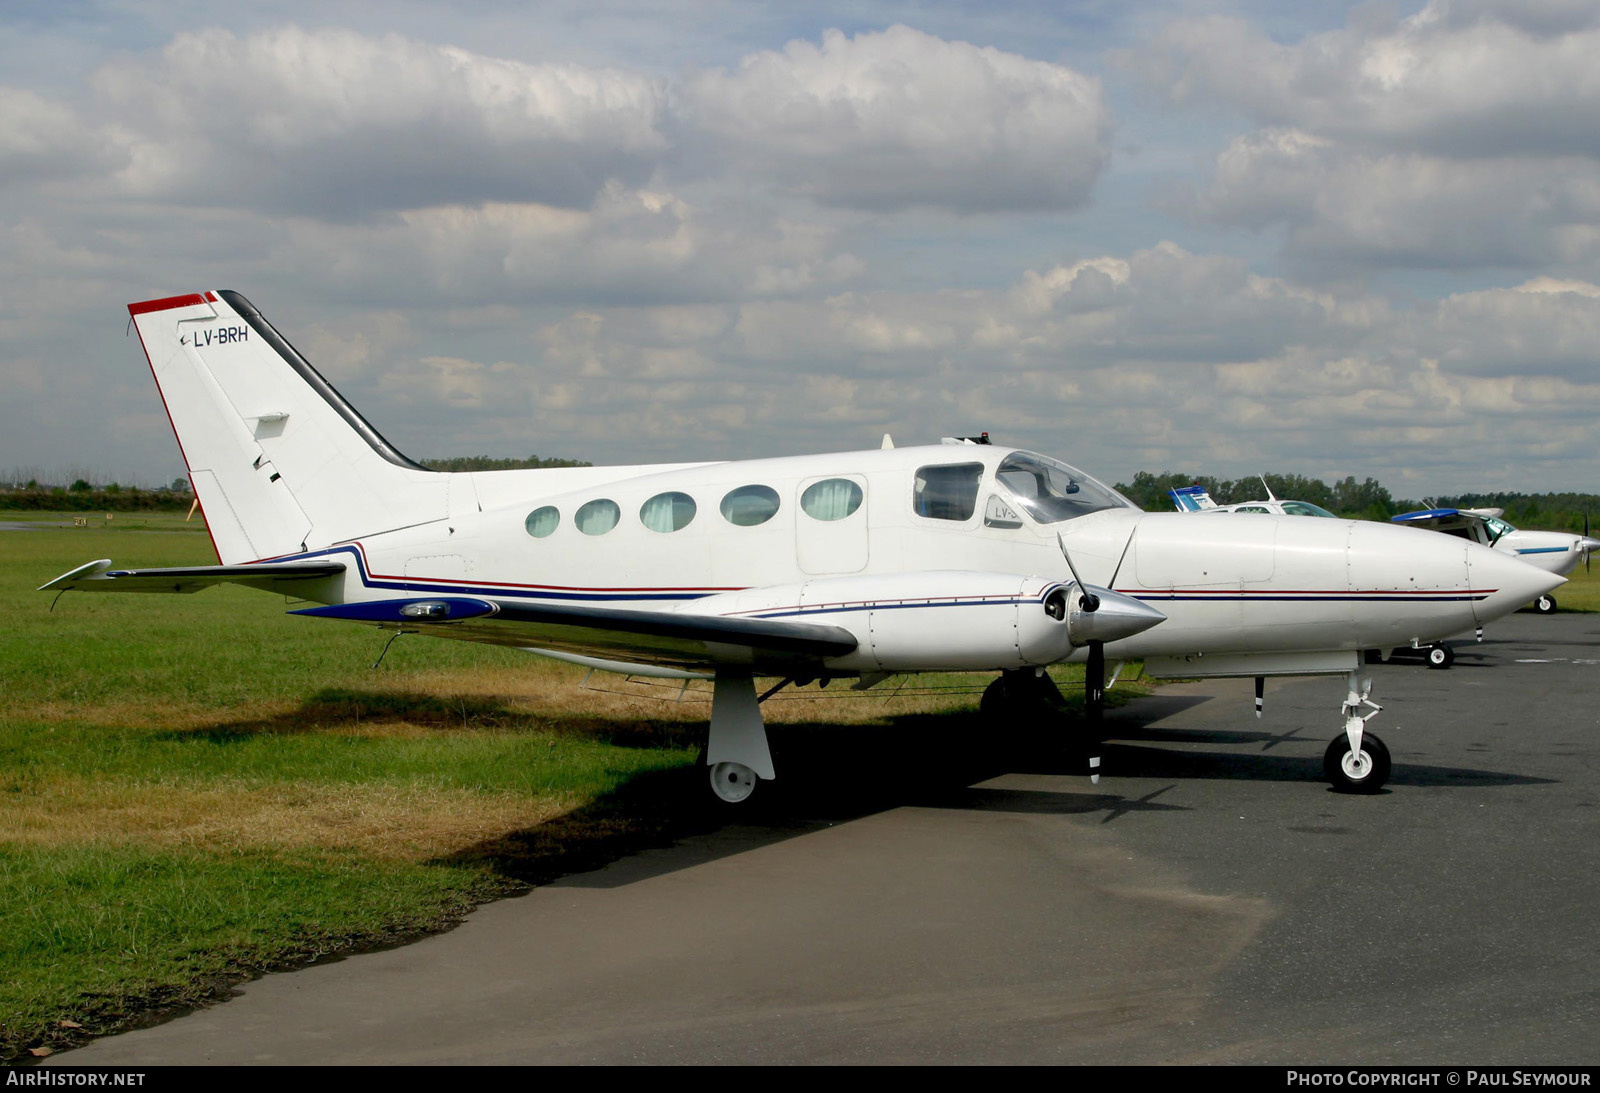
column 542, row 522
column 598, row 517
column 832, row 500
column 667, row 512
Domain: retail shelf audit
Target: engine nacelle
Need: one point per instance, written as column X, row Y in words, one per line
column 943, row 620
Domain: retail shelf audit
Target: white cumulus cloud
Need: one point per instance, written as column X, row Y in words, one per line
column 900, row 118
column 334, row 123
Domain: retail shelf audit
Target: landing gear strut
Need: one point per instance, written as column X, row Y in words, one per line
column 1356, row 760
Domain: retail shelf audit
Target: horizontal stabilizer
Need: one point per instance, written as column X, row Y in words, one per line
column 673, row 639
column 272, row 576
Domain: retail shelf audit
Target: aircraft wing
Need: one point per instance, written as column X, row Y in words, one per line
column 1440, row 519
column 667, row 639
column 272, row 576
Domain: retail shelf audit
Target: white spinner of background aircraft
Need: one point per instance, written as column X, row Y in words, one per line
column 844, row 565
column 1556, row 551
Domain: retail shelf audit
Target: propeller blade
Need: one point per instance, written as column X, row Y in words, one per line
column 1094, row 703
column 1089, row 600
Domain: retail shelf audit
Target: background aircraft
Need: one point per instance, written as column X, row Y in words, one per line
column 1198, row 499
column 959, row 556
column 1556, row 551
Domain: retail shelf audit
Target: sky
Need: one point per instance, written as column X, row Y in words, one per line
column 1220, row 238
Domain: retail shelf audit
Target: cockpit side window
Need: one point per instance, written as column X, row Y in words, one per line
column 948, row 492
column 1050, row 491
column 1496, row 528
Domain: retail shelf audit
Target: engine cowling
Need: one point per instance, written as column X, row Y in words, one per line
column 944, row 620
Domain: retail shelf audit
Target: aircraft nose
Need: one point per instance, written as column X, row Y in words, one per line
column 1510, row 584
column 1117, row 617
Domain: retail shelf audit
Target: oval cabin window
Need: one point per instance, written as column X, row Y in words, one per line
column 748, row 506
column 831, row 499
column 598, row 516
column 667, row 512
column 542, row 521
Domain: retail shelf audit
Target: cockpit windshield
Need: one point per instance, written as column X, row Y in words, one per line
column 1050, row 491
column 1306, row 508
column 1497, row 527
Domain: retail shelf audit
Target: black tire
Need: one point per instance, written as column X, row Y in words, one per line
column 1440, row 656
column 1021, row 697
column 1545, row 605
column 1369, row 780
column 995, row 705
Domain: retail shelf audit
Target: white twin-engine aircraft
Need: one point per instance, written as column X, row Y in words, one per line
column 963, row 557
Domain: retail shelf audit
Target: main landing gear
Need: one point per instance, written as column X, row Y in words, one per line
column 1356, row 760
column 737, row 755
column 1437, row 655
column 1025, row 703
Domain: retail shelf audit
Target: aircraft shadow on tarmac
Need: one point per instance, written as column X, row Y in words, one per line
column 831, row 774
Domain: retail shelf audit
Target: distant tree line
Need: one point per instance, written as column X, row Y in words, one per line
column 1544, row 511
column 1367, row 500
column 87, row 493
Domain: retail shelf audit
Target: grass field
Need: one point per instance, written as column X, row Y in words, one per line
column 197, row 788
column 1582, row 590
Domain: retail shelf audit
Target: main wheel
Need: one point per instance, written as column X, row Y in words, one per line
column 1545, row 605
column 1365, row 772
column 1441, row 656
column 1021, row 696
column 733, row 783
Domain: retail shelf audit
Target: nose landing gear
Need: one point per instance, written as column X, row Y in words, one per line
column 1356, row 760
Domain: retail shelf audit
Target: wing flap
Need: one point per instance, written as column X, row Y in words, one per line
column 98, row 576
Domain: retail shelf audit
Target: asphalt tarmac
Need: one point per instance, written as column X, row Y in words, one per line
column 1211, row 900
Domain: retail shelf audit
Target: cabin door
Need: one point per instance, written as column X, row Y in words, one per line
column 831, row 525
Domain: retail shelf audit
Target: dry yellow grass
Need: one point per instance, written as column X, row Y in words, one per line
column 397, row 823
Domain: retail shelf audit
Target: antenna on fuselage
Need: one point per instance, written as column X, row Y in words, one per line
column 1268, row 488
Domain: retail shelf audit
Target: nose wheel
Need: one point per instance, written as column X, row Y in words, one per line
column 1545, row 605
column 1364, row 770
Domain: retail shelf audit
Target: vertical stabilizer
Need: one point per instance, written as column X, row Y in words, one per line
column 279, row 460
